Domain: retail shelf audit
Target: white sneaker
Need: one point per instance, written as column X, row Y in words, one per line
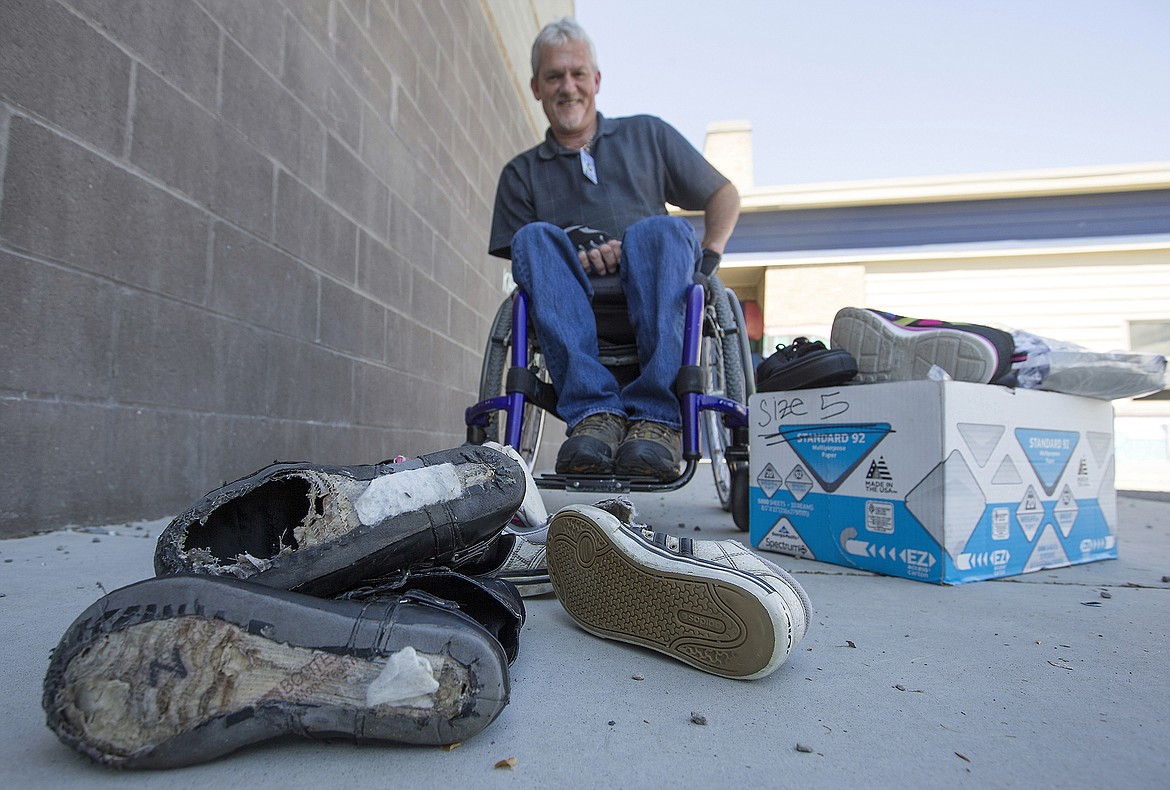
column 522, row 561
column 526, row 566
column 712, row 604
column 532, row 514
column 516, row 559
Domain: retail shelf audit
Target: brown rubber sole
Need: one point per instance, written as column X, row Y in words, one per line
column 618, row 586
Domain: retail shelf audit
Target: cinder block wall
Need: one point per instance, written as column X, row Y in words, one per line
column 232, row 232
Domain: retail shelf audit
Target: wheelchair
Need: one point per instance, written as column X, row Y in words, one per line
column 713, row 384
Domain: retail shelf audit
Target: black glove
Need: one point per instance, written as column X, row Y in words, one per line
column 710, row 262
column 585, row 238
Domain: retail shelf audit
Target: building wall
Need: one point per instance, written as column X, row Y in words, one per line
column 235, row 232
column 1086, row 296
column 802, row 300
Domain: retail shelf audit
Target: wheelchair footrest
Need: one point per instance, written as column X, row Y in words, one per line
column 600, row 484
column 587, row 483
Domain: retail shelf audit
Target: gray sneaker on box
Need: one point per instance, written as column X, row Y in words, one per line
column 889, row 347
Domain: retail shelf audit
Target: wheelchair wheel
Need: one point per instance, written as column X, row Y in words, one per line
column 496, row 360
column 727, row 362
column 740, row 479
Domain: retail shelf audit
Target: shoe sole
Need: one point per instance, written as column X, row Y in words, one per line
column 619, row 586
column 643, row 472
column 589, row 468
column 528, row 581
column 184, row 669
column 296, row 526
column 524, row 569
column 887, row 352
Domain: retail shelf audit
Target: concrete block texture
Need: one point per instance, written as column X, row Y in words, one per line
column 187, row 148
column 67, row 204
column 57, row 67
column 349, row 183
column 178, row 40
column 264, row 111
column 309, row 75
column 313, row 230
column 261, row 285
column 44, row 312
column 235, row 232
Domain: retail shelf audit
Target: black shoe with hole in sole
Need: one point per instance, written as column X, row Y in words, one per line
column 324, row 529
column 183, row 669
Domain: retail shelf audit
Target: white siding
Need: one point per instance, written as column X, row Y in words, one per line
column 1085, row 298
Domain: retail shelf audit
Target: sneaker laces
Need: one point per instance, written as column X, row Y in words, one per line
column 798, row 348
column 653, row 431
column 601, row 422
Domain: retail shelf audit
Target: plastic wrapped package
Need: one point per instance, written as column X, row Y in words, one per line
column 1059, row 366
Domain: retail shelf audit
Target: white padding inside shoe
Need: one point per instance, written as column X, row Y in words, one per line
column 403, row 492
column 532, row 513
column 406, row 680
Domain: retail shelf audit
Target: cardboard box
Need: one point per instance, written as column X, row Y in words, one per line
column 945, row 482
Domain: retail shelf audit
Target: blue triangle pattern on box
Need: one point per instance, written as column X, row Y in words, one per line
column 831, row 452
column 1048, row 452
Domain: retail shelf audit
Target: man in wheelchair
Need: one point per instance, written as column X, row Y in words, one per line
column 590, row 202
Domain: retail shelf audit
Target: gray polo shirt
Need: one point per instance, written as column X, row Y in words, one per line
column 642, row 163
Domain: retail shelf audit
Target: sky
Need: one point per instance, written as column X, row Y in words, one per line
column 843, row 90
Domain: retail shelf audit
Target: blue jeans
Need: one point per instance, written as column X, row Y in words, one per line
column 659, row 258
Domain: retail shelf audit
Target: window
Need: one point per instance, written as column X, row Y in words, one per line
column 1152, row 337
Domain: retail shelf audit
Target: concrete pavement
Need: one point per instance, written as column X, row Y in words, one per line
column 1053, row 679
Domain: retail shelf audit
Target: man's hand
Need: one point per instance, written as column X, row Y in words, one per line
column 601, row 259
column 598, row 253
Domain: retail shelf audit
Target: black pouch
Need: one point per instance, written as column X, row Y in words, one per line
column 585, row 238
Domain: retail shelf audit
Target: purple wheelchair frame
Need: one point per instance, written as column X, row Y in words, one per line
column 692, row 401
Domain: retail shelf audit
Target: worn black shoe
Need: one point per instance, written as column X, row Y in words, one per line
column 804, row 364
column 591, row 445
column 184, row 669
column 493, row 603
column 324, row 529
column 650, row 449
